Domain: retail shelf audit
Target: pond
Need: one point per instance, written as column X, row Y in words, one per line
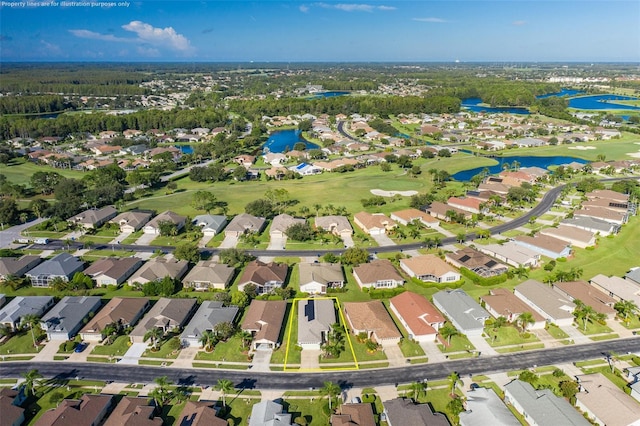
column 473, row 104
column 562, row 92
column 284, row 140
column 525, row 161
column 332, row 94
column 600, row 102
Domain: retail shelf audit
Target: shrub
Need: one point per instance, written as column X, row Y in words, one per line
column 478, row 280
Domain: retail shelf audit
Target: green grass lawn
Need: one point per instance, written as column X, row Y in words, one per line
column 410, row 348
column 226, row 351
column 240, row 410
column 132, row 238
column 21, row 343
column 166, row 350
column 289, row 347
column 505, row 336
column 556, row 332
column 458, row 343
column 592, row 328
column 118, row 348
column 307, row 411
column 361, row 353
column 20, row 170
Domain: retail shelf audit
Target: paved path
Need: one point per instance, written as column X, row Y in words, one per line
column 310, row 359
column 348, row 241
column 205, row 240
column 575, row 335
column 186, row 357
column 383, row 240
column 434, row 354
column 145, row 239
column 261, row 359
column 11, row 234
column 228, row 242
column 120, row 237
column 133, row 354
column 277, row 243
column 394, row 355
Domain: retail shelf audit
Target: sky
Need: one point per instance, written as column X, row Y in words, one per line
column 325, row 31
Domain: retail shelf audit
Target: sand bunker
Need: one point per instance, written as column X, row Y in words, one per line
column 582, row 148
column 635, row 154
column 383, row 193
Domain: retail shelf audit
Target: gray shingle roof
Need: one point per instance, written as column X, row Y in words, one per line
column 60, row 265
column 484, row 407
column 465, row 313
column 166, row 313
column 68, row 314
column 314, row 317
column 208, row 221
column 24, row 305
column 207, row 317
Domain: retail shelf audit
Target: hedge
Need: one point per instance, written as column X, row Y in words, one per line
column 477, row 279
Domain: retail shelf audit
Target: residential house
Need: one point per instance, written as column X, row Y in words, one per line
column 244, row 223
column 269, row 413
column 373, row 319
column 604, row 402
column 63, row 266
column 199, row 413
column 512, row 254
column 529, row 142
column 377, row 274
column 444, row 211
column 167, row 315
column 17, row 266
column 633, row 377
column 589, row 295
column 112, row 270
column 131, row 221
column 211, row 225
column 374, row 224
column 11, row 414
column 477, row 262
column 417, row 315
column 281, row 223
column 545, row 245
column 618, row 288
column 67, row 317
column 264, row 320
column 133, row 411
column 484, row 407
column 337, row 225
column 245, row 160
column 541, row 407
column 274, row 158
column 316, row 278
column 602, row 213
column 315, row 318
column 123, row 312
column 305, row 169
column 468, row 204
column 403, row 412
column 93, row 218
column 157, row 269
column 89, row 410
column 405, row 217
column 575, row 236
column 207, row 275
column 430, row 268
column 353, row 415
column 266, row 277
column 494, row 185
column 633, row 275
column 597, row 226
column 207, row 317
column 13, row 313
column 608, row 194
column 464, row 313
column 606, row 203
column 553, row 306
column 153, row 227
column 501, row 302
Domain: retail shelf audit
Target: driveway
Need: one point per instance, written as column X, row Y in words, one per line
column 277, row 243
column 261, row 359
column 145, row 239
column 383, row 240
column 120, row 238
column 229, row 242
column 348, row 241
column 394, row 354
column 134, row 352
column 310, row 359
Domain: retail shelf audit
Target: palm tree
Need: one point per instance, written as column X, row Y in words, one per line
column 625, row 309
column 110, row 330
column 521, row 272
column 225, row 386
column 208, row 340
column 454, row 379
column 448, row 331
column 155, row 334
column 417, row 388
column 31, row 321
column 161, row 394
column 500, row 322
column 332, row 390
column 524, row 320
column 246, row 338
column 31, row 379
column 587, row 314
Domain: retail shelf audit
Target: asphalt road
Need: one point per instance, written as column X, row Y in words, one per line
column 300, row 381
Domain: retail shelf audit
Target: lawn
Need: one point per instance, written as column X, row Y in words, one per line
column 166, row 350
column 592, row 328
column 458, row 343
column 132, row 238
column 240, row 410
column 556, row 332
column 21, row 343
column 361, row 353
column 289, row 347
column 225, row 351
column 118, row 348
column 410, row 348
column 505, row 336
column 19, row 171
column 308, row 411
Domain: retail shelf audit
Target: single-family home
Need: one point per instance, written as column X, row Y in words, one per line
column 633, row 377
column 476, row 262
column 281, row 223
column 417, row 315
column 377, row 274
column 200, row 413
column 464, row 313
column 541, row 407
column 274, row 158
column 112, row 270
column 604, row 402
column 589, row 295
column 608, row 194
column 244, row 223
column 68, row 316
column 445, row 212
column 269, row 413
column 211, row 225
column 131, row 221
column 63, row 266
column 10, row 401
column 374, row 224
column 618, row 288
column 17, row 266
column 529, row 142
column 484, row 407
column 597, row 226
column 552, row 305
column 612, row 216
column 315, row 318
column 93, row 218
column 306, row 169
column 89, row 410
column 606, row 203
column 264, row 320
column 429, row 268
column 403, row 412
column 207, row 317
column 121, row 311
column 266, row 277
column 134, row 411
column 245, row 160
column 337, row 225
column 501, row 302
column 153, row 227
column 545, row 245
column 13, row 312
column 512, row 254
column 373, row 319
column 468, row 204
column 633, row 275
column 316, row 278
column 359, row 414
column 207, row 274
column 167, row 315
column 575, row 236
column 405, row 217
column 158, row 268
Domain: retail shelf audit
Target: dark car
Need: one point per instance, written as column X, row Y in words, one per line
column 81, row 347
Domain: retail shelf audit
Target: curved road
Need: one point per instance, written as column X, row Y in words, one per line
column 346, row 379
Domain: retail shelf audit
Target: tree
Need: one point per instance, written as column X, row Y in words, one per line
column 154, row 334
column 529, row 377
column 223, row 331
column 39, row 207
column 354, row 256
column 109, row 331
column 208, row 340
column 161, row 394
column 246, row 338
column 524, row 320
column 187, row 251
column 167, row 228
column 300, row 232
column 454, row 379
column 587, row 314
column 569, row 388
column 332, row 390
column 31, row 380
column 31, row 321
column 260, row 208
column 225, row 386
column 239, row 173
column 239, row 299
column 456, row 405
column 9, row 212
column 626, row 308
column 448, row 331
column 235, row 258
column 500, row 322
column 203, row 200
column 460, row 236
column 417, row 389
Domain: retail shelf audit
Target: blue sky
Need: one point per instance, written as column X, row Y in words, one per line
column 283, row 31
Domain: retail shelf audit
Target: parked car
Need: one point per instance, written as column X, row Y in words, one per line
column 81, row 347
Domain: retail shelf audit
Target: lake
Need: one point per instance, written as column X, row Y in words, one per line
column 600, row 102
column 328, row 94
column 283, row 140
column 562, row 92
column 472, row 104
column 525, row 161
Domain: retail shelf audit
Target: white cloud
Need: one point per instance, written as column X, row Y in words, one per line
column 432, row 20
column 97, row 36
column 303, row 8
column 355, row 7
column 519, row 23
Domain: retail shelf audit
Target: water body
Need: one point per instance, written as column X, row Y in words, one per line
column 472, row 104
column 281, row 140
column 525, row 161
column 328, row 94
column 562, row 92
column 185, row 149
column 600, row 102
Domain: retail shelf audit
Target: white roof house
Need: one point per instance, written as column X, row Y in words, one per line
column 463, row 312
column 484, row 407
column 315, row 317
